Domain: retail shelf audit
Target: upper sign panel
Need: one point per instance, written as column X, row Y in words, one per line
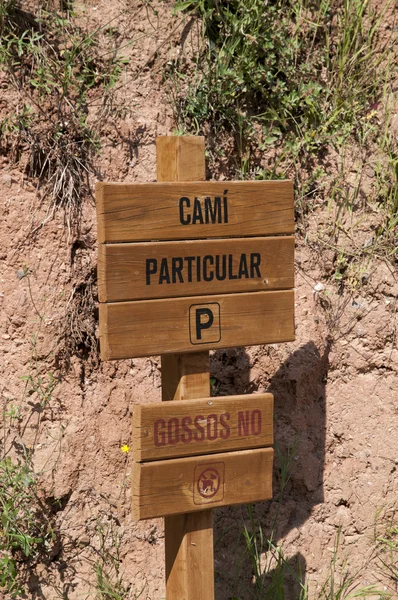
column 193, row 210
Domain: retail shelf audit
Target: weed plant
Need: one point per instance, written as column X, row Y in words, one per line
column 27, row 534
column 25, row 531
column 58, row 70
column 388, row 556
column 110, row 584
column 276, row 577
column 302, row 73
column 291, row 84
column 386, row 548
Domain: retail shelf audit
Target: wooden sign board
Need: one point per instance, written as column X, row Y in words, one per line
column 185, row 485
column 193, row 210
column 202, row 293
column 189, row 428
column 171, row 269
column 148, row 327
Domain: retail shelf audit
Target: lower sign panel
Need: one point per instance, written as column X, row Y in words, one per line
column 144, row 328
column 185, row 485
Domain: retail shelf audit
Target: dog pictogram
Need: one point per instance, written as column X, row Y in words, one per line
column 208, row 483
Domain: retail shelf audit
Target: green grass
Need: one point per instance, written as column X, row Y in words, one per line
column 388, row 556
column 25, row 529
column 27, row 534
column 386, row 548
column 278, row 577
column 275, row 577
column 58, row 70
column 285, row 66
column 302, row 90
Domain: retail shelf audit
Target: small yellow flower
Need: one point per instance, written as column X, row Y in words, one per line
column 125, row 448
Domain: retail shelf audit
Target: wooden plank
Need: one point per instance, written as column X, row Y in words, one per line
column 188, row 538
column 192, row 484
column 180, row 158
column 189, row 556
column 148, row 327
column 204, row 426
column 193, row 210
column 173, row 269
column 185, row 376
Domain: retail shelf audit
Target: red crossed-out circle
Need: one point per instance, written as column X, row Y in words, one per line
column 209, row 482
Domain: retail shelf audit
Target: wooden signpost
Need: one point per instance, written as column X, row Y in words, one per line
column 186, row 266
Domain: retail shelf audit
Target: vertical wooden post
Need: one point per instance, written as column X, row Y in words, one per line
column 189, row 537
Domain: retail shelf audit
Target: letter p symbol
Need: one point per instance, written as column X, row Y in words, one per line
column 204, row 323
column 204, row 320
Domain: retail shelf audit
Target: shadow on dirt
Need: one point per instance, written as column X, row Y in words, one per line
column 299, row 426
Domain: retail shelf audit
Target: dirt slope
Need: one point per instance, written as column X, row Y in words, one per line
column 336, row 386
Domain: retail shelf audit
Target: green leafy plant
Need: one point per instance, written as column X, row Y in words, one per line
column 285, row 461
column 277, row 577
column 7, row 8
column 388, row 556
column 274, row 575
column 386, row 547
column 24, row 530
column 282, row 86
column 43, row 386
column 271, row 571
column 285, row 67
column 26, row 523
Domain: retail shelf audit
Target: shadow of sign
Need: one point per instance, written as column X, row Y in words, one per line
column 298, row 386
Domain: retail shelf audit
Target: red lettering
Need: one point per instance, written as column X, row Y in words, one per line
column 159, row 436
column 188, row 429
column 212, row 420
column 187, row 437
column 226, row 432
column 199, row 435
column 256, row 423
column 173, row 423
column 243, row 422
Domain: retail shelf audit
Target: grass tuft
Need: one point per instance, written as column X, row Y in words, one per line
column 58, row 70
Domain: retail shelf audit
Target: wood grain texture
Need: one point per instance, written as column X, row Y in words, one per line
column 189, row 537
column 188, row 268
column 204, row 426
column 148, row 327
column 152, row 211
column 180, row 158
column 189, row 556
column 192, row 484
column 185, row 376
